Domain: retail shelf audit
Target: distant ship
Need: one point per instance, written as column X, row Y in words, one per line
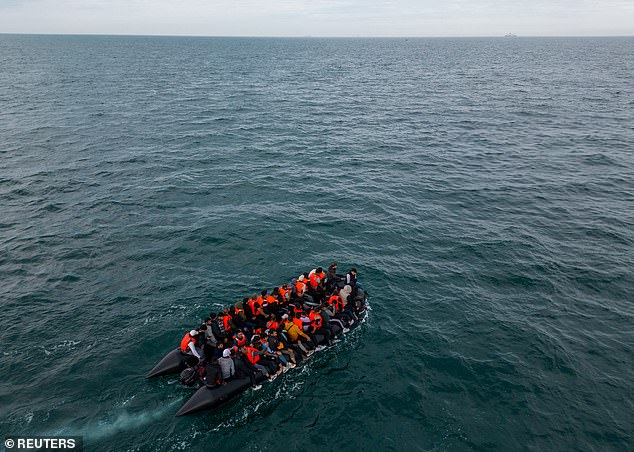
column 510, row 35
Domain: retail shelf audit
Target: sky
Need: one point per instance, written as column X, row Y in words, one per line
column 320, row 17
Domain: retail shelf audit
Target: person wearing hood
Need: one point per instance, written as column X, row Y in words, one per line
column 227, row 367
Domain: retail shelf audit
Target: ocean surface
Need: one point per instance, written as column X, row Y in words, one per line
column 484, row 189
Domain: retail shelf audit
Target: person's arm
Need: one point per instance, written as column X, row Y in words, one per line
column 301, row 333
column 192, row 347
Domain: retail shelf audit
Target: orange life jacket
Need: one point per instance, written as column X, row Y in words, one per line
column 185, row 342
column 271, row 300
column 240, row 343
column 282, row 294
column 252, row 355
column 225, row 322
column 301, row 287
column 252, row 305
column 315, row 319
column 299, row 323
column 272, row 325
column 314, row 280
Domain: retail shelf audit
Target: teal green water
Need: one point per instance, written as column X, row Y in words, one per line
column 483, row 188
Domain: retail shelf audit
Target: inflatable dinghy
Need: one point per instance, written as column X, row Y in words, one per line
column 207, row 398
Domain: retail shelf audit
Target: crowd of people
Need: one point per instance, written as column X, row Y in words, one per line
column 271, row 332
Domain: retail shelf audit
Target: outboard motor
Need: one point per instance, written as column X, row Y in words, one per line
column 189, row 376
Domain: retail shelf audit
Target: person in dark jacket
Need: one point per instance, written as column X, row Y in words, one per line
column 211, row 374
column 244, row 369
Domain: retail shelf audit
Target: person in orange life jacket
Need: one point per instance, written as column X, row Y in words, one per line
column 316, row 285
column 272, row 324
column 300, row 285
column 253, row 355
column 240, row 340
column 317, row 326
column 284, row 294
column 306, row 327
column 260, row 317
column 316, row 277
column 188, row 345
column 239, row 317
column 253, row 305
column 227, row 322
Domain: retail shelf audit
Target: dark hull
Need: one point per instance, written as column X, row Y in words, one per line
column 207, row 399
column 172, row 363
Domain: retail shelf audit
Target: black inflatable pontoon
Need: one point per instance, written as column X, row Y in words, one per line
column 206, row 398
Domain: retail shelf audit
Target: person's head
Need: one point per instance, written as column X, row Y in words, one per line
column 264, row 293
column 300, row 278
column 240, row 334
column 319, row 270
column 272, row 317
column 203, row 327
column 353, row 271
column 276, row 290
column 254, row 296
column 213, row 316
column 298, row 315
column 226, row 353
column 285, row 317
column 333, row 265
column 208, row 321
column 193, row 332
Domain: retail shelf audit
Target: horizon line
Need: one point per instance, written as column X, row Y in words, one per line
column 140, row 35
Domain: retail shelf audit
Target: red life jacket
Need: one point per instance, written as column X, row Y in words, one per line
column 333, row 299
column 314, row 280
column 299, row 323
column 272, row 325
column 252, row 355
column 225, row 322
column 271, row 300
column 252, row 305
column 185, row 342
column 240, row 343
column 315, row 319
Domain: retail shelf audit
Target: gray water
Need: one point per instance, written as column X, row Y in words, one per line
column 483, row 188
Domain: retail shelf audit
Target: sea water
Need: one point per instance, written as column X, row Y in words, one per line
column 484, row 189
